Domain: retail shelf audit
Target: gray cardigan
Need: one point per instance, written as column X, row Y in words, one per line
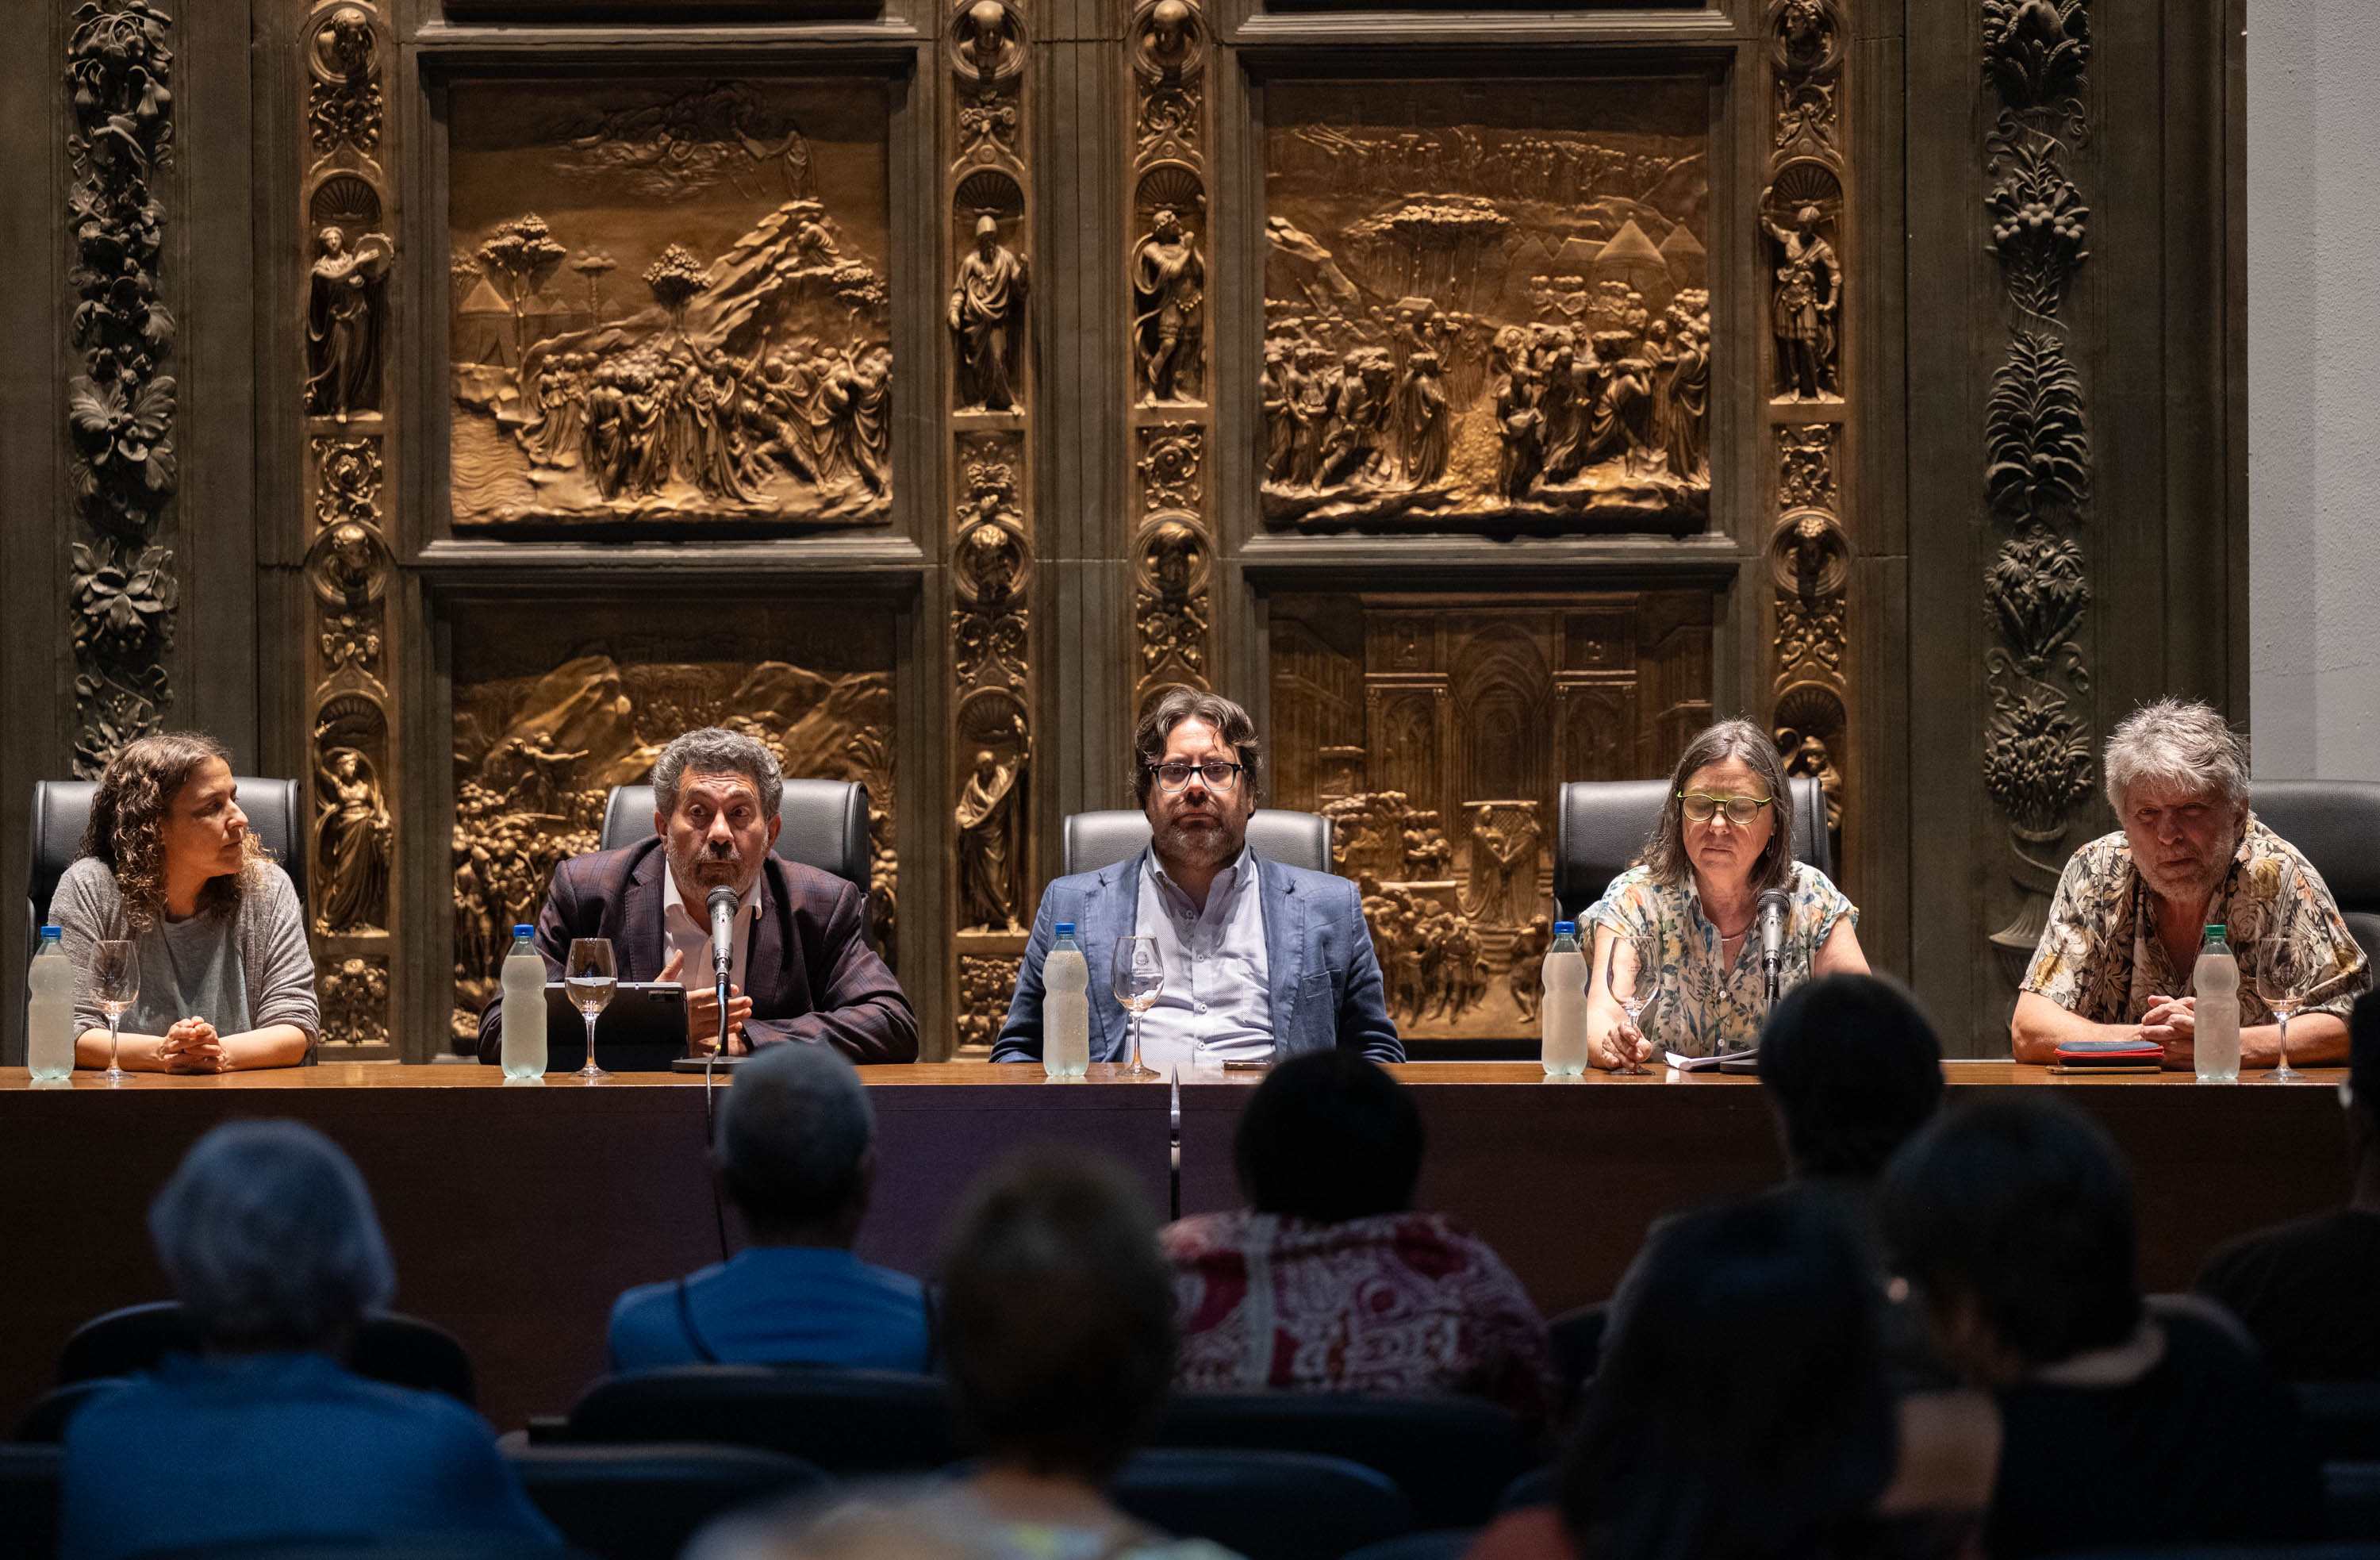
column 268, row 930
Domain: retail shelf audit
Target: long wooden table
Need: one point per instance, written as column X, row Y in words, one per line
column 517, row 1213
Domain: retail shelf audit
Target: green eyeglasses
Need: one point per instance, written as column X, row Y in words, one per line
column 1701, row 808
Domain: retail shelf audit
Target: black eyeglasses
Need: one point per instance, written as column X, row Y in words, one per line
column 1219, row 776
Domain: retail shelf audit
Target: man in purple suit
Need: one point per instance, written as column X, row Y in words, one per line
column 800, row 968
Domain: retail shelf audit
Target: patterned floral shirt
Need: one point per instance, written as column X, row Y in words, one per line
column 2100, row 957
column 1702, row 1004
column 1405, row 1303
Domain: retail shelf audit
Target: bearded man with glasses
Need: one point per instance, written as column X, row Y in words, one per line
column 1690, row 906
column 1262, row 961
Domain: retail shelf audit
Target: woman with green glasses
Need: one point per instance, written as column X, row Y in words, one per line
column 1691, row 901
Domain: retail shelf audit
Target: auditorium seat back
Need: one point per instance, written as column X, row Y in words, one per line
column 1601, row 826
column 825, row 825
column 2336, row 824
column 1262, row 1506
column 1093, row 840
column 1452, row 1456
column 399, row 1350
column 28, row 1499
column 845, row 1421
column 645, row 1503
column 61, row 809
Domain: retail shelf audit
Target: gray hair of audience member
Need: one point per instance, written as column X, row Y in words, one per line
column 1231, row 723
column 1057, row 1314
column 2179, row 745
column 267, row 1235
column 795, row 1136
column 712, row 750
column 1665, row 848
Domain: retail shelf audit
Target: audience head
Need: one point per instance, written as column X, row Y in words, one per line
column 1742, row 1408
column 1730, row 759
column 269, row 1239
column 798, row 1146
column 1057, row 1314
column 1852, row 1068
column 1329, row 1136
column 2362, row 1093
column 2013, row 1218
column 165, row 810
column 2177, row 779
column 715, row 796
column 1197, row 821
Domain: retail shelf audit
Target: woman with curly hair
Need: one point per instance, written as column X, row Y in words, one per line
column 226, row 980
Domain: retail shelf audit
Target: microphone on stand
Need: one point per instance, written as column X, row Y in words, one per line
column 1771, row 909
column 722, row 949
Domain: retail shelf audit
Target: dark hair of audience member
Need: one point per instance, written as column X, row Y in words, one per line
column 1853, row 1069
column 268, row 1237
column 2022, row 1208
column 1327, row 1137
column 1057, row 1314
column 796, row 1138
column 1741, row 1410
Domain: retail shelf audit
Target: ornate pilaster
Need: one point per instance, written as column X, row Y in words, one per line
column 120, row 407
column 344, row 339
column 2037, row 738
column 1172, row 536
column 991, row 541
column 1804, row 217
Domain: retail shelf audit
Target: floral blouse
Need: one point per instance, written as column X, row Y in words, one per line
column 1701, row 1008
column 2100, row 957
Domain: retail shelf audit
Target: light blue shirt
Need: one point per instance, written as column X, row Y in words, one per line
column 777, row 1305
column 1216, row 990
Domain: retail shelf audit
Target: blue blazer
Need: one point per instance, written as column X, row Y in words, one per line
column 1325, row 980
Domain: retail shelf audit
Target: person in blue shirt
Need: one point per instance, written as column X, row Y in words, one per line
column 268, row 1236
column 796, row 1156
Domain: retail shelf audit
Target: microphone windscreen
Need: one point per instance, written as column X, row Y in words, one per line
column 722, row 898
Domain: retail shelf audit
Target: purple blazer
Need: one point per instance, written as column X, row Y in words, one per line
column 809, row 972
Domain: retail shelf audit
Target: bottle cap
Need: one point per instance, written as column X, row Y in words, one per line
column 524, row 930
column 51, row 931
column 1065, row 929
column 1566, row 929
column 2215, row 931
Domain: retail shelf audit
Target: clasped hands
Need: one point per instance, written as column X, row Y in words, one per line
column 2172, row 1022
column 702, row 1011
column 193, row 1046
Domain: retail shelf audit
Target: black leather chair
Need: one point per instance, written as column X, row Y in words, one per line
column 275, row 808
column 399, row 1350
column 1601, row 825
column 845, row 1421
column 28, row 1499
column 825, row 825
column 644, row 1503
column 2336, row 824
column 1093, row 840
column 1452, row 1456
column 1263, row 1506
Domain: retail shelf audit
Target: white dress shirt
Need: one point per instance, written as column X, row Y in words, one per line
column 1216, row 992
column 688, row 931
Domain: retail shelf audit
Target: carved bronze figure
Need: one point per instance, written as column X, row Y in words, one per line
column 1808, row 300
column 346, row 327
column 1169, row 297
column 987, row 320
column 353, row 836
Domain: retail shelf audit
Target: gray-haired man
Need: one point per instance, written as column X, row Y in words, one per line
column 801, row 968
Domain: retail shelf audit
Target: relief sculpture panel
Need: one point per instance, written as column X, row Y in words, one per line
column 548, row 718
column 1436, row 732
column 1488, row 310
column 669, row 304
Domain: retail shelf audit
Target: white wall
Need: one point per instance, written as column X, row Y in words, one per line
column 2314, row 387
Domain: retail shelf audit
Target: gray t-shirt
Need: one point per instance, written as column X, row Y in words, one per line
column 238, row 970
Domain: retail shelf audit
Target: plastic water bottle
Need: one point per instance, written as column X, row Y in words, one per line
column 1561, row 1011
column 523, row 1044
column 49, row 1018
column 2216, row 983
column 1065, row 1006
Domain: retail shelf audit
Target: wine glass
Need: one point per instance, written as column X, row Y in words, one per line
column 1139, row 976
column 2284, row 975
column 588, row 975
column 116, row 984
column 1631, row 969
